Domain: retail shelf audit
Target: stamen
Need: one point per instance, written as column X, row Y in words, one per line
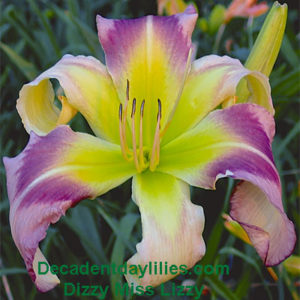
column 135, row 156
column 159, row 109
column 125, row 118
column 141, row 152
column 127, row 90
column 155, row 148
column 122, row 136
column 133, row 108
column 120, row 112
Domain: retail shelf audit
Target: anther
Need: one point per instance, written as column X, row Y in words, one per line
column 127, row 90
column 159, row 110
column 142, row 108
column 133, row 108
column 120, row 112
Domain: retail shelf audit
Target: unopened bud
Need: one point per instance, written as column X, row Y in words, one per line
column 267, row 45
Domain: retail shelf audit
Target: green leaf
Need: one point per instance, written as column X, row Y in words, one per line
column 286, row 85
column 27, row 68
column 82, row 222
column 44, row 22
column 12, row 271
column 13, row 17
column 220, row 288
column 288, row 139
column 244, row 284
column 126, row 226
column 215, row 234
column 249, row 260
column 90, row 37
column 289, row 53
column 114, row 226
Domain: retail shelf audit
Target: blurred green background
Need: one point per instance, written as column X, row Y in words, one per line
column 34, row 35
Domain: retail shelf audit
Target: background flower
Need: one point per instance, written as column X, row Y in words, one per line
column 245, row 9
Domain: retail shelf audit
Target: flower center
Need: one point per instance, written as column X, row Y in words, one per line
column 142, row 157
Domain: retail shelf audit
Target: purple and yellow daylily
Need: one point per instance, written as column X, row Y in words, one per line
column 155, row 118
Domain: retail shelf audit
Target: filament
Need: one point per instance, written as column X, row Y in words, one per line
column 122, row 136
column 137, row 152
column 135, row 156
column 155, row 148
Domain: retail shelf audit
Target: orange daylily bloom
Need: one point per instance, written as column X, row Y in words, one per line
column 245, row 8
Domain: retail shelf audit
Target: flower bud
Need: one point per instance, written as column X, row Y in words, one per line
column 267, row 45
column 216, row 18
column 236, row 229
column 292, row 265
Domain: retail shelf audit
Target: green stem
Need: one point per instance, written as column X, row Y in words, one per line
column 218, row 38
column 250, row 32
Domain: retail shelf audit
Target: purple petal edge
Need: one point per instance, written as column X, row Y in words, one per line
column 275, row 241
column 34, row 208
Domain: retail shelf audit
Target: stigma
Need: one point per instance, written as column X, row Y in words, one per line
column 141, row 157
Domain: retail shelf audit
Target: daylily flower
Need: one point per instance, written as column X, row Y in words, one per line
column 245, row 8
column 155, row 119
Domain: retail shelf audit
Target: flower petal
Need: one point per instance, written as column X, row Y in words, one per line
column 88, row 89
column 53, row 173
column 152, row 53
column 172, row 227
column 213, row 80
column 236, row 142
column 245, row 8
column 257, row 10
column 265, row 222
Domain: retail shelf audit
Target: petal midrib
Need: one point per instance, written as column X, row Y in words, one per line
column 225, row 145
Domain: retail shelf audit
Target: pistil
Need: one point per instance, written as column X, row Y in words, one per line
column 141, row 151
